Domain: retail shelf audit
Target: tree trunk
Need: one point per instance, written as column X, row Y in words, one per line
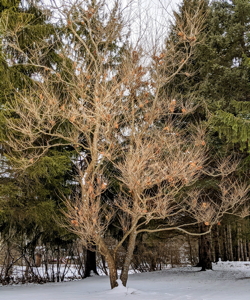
column 217, row 253
column 104, row 265
column 225, row 243
column 241, row 243
column 128, row 258
column 58, row 264
column 212, row 256
column 248, row 251
column 238, row 249
column 111, row 263
column 153, row 266
column 90, row 263
column 199, row 253
column 112, row 272
column 230, row 243
column 205, row 250
column 245, row 250
column 241, row 250
column 190, row 250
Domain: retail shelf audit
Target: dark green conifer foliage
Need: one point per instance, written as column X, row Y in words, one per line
column 30, row 199
column 218, row 74
column 226, row 70
column 217, row 77
column 187, row 80
column 30, row 27
column 54, row 170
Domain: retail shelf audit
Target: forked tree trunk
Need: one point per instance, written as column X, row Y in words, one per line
column 128, row 258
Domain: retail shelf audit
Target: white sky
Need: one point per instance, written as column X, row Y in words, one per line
column 159, row 10
column 150, row 18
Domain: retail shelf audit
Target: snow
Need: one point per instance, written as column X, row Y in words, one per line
column 227, row 281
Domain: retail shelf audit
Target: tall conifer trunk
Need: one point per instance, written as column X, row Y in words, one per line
column 217, row 251
column 90, row 263
column 205, row 250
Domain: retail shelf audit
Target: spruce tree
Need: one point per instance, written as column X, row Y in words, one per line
column 29, row 198
column 218, row 74
column 54, row 169
column 218, row 79
column 226, row 70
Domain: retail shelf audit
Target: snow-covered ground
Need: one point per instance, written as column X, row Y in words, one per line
column 228, row 281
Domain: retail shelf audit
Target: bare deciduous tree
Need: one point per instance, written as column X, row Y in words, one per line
column 112, row 112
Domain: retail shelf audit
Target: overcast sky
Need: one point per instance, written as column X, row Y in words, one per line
column 150, row 18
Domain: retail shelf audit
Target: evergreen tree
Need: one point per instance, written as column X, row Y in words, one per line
column 219, row 73
column 59, row 163
column 218, row 79
column 226, row 70
column 29, row 199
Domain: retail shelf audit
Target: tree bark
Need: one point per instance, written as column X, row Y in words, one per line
column 112, row 273
column 90, row 263
column 240, row 243
column 225, row 243
column 245, row 250
column 248, row 251
column 205, row 250
column 217, row 253
column 230, row 243
column 111, row 263
column 190, row 250
column 128, row 258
